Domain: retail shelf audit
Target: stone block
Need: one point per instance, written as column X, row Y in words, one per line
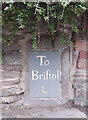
column 12, row 67
column 13, row 46
column 11, row 91
column 10, row 99
column 12, row 58
column 10, row 82
column 10, row 74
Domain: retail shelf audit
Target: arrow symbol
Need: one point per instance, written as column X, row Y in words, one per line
column 43, row 90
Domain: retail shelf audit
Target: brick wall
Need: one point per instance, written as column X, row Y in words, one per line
column 81, row 73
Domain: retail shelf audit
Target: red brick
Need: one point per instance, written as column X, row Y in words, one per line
column 82, row 64
column 81, row 45
column 83, row 55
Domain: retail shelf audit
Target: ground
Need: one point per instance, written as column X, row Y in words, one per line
column 11, row 111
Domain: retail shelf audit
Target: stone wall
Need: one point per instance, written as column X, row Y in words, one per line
column 14, row 70
column 81, row 67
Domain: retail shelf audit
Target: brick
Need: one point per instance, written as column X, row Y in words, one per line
column 81, row 45
column 82, row 64
column 80, row 79
column 83, row 55
column 81, row 73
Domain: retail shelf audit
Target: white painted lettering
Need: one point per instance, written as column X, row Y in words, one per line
column 41, row 59
column 46, row 62
column 34, row 75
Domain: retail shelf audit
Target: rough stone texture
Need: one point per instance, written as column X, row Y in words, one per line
column 12, row 67
column 12, row 57
column 13, row 46
column 11, row 99
column 11, row 91
column 65, row 72
column 10, row 81
column 10, row 75
column 11, row 72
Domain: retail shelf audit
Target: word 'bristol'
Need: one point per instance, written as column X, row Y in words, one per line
column 45, row 76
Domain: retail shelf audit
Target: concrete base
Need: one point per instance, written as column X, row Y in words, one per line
column 41, row 112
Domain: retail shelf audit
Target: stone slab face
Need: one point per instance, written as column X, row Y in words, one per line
column 45, row 74
column 62, row 93
column 12, row 58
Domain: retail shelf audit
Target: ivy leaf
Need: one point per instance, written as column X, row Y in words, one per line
column 46, row 18
column 84, row 8
column 61, row 42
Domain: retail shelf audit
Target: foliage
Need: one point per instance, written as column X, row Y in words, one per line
column 30, row 14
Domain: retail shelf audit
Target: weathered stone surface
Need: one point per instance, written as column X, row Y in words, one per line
column 10, row 82
column 10, row 74
column 43, row 45
column 14, row 46
column 10, row 78
column 12, row 67
column 10, row 99
column 65, row 72
column 81, row 37
column 12, row 58
column 20, row 32
column 11, row 91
